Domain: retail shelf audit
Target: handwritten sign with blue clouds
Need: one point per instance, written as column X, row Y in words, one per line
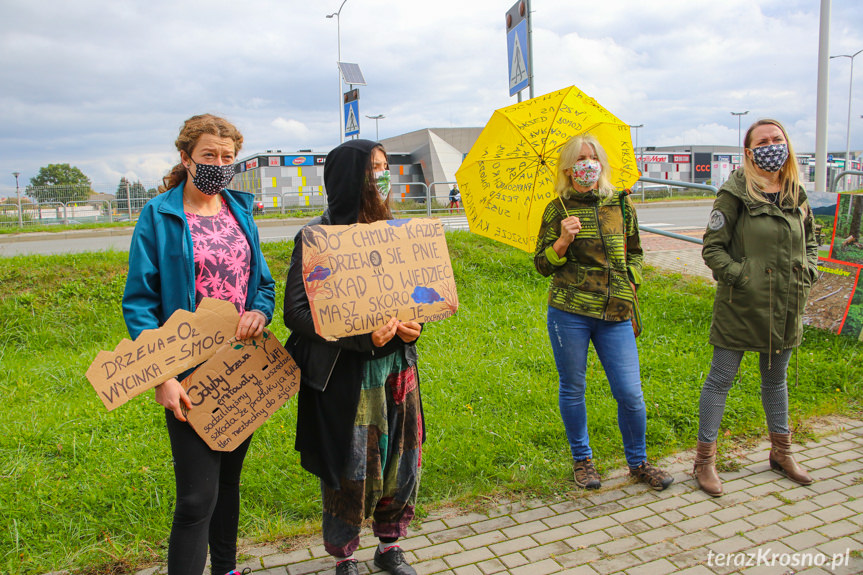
column 358, row 276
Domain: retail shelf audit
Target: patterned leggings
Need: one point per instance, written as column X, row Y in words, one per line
column 723, row 369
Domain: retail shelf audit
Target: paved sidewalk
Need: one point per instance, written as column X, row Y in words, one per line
column 627, row 528
column 764, row 524
column 675, row 255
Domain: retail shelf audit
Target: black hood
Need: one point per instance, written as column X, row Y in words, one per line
column 344, row 177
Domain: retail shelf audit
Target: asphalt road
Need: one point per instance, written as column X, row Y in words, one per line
column 680, row 216
column 114, row 239
column 671, row 217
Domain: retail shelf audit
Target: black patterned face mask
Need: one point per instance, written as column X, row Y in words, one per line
column 770, row 158
column 212, row 179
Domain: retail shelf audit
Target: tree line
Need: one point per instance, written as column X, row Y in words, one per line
column 65, row 183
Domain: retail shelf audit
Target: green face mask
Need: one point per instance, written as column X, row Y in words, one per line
column 382, row 180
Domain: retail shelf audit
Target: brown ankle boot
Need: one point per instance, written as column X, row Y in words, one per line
column 782, row 462
column 704, row 470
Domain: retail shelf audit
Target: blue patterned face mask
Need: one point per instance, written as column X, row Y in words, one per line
column 770, row 158
column 382, row 180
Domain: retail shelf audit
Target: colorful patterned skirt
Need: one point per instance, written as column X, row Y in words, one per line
column 382, row 472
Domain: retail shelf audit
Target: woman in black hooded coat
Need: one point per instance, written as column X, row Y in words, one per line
column 359, row 423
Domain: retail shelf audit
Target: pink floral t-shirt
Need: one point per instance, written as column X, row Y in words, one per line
column 222, row 257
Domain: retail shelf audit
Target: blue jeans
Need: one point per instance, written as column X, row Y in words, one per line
column 614, row 342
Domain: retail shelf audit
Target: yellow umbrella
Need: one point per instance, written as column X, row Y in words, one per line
column 507, row 178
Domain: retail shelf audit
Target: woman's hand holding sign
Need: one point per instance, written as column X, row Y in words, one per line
column 251, row 324
column 171, row 395
column 409, row 331
column 384, row 334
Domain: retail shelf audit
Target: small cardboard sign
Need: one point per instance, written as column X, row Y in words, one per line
column 186, row 340
column 239, row 388
column 358, row 276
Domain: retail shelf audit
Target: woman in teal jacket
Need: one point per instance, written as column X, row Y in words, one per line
column 760, row 244
column 195, row 240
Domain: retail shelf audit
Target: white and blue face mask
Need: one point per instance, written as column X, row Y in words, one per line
column 382, row 181
column 770, row 158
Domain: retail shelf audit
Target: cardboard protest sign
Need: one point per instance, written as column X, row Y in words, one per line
column 358, row 276
column 239, row 388
column 836, row 300
column 186, row 340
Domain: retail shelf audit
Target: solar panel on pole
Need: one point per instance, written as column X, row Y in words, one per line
column 351, row 74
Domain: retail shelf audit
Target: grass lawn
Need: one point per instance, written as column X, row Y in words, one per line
column 92, row 491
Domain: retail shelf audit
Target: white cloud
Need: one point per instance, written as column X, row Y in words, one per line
column 292, row 129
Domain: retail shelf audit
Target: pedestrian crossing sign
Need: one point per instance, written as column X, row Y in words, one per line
column 517, row 49
column 352, row 118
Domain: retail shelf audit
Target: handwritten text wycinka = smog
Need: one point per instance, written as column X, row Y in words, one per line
column 193, row 346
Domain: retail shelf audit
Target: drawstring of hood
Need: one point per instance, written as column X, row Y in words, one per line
column 804, row 268
column 800, row 272
column 770, row 315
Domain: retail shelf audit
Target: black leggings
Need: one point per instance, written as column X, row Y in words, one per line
column 208, row 502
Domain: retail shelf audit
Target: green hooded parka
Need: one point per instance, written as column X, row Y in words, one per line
column 764, row 259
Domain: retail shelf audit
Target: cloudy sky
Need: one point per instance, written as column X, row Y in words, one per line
column 105, row 85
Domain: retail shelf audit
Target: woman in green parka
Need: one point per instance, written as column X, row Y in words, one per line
column 760, row 244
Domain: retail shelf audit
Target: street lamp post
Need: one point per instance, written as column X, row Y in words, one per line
column 636, row 138
column 18, row 193
column 376, row 118
column 850, row 88
column 339, row 39
column 636, row 158
column 739, row 143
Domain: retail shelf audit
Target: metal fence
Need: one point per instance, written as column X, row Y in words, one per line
column 63, row 205
column 669, row 189
column 848, row 183
column 34, row 206
column 701, row 188
column 48, row 213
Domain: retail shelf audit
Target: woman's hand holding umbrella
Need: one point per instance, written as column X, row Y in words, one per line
column 569, row 228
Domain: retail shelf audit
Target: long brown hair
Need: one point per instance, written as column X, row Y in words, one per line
column 372, row 207
column 789, row 174
column 190, row 133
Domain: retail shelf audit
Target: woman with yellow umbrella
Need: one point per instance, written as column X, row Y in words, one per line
column 589, row 243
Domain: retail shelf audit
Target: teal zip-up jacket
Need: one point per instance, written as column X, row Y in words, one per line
column 764, row 259
column 161, row 276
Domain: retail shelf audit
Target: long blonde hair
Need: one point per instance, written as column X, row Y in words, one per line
column 789, row 173
column 569, row 155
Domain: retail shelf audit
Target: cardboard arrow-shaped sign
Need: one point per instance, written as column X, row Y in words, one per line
column 186, row 340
